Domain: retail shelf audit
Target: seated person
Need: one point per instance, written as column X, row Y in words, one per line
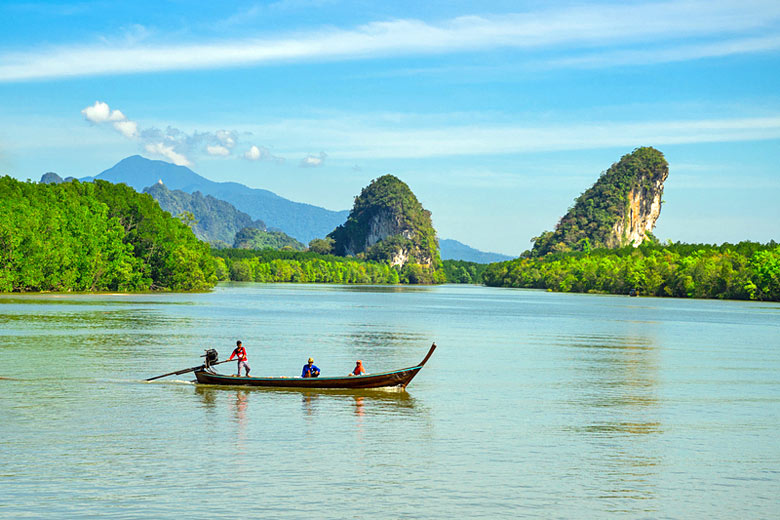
column 310, row 370
column 358, row 369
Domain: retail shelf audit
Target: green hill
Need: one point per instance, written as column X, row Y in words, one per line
column 97, row 236
column 216, row 221
column 620, row 209
column 251, row 238
column 388, row 223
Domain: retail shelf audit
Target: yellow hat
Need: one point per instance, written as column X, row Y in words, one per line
column 311, row 360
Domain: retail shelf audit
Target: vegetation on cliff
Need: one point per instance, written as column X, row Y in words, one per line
column 603, row 210
column 388, row 224
column 95, row 237
column 216, row 221
column 744, row 271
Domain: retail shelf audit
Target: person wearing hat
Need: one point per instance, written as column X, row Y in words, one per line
column 358, row 369
column 310, row 370
column 240, row 353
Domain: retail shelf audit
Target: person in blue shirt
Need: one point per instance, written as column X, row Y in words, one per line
column 310, row 369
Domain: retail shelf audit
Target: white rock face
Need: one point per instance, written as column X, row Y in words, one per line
column 642, row 212
column 382, row 225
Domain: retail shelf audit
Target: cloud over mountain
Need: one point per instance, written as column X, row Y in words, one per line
column 173, row 144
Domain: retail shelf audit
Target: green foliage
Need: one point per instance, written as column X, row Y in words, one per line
column 389, row 199
column 94, row 237
column 212, row 220
column 323, row 246
column 599, row 208
column 460, row 271
column 744, row 271
column 242, row 265
column 252, row 238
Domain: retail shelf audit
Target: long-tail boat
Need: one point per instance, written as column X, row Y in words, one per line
column 394, row 378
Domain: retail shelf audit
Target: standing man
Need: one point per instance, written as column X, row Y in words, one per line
column 310, row 370
column 240, row 353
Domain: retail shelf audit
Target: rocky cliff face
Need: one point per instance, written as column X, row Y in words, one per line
column 620, row 209
column 642, row 212
column 388, row 223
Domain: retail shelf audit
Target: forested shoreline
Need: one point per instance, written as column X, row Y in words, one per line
column 98, row 236
column 95, row 236
column 269, row 266
column 744, row 271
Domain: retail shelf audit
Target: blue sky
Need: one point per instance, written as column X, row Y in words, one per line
column 497, row 114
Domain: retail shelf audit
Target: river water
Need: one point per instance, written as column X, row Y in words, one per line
column 535, row 405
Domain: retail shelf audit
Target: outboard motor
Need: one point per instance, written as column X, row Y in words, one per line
column 211, row 356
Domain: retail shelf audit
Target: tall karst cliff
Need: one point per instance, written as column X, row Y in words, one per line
column 388, row 224
column 620, row 209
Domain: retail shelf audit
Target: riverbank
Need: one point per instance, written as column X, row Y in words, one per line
column 744, row 271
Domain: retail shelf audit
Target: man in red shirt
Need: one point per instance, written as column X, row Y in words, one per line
column 240, row 353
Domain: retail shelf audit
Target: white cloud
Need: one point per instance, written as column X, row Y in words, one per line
column 361, row 138
column 168, row 152
column 171, row 143
column 101, row 113
column 226, row 138
column 261, row 153
column 671, row 54
column 128, row 129
column 313, row 161
column 217, row 150
column 254, row 154
column 566, row 29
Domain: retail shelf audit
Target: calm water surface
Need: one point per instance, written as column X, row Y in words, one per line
column 535, row 405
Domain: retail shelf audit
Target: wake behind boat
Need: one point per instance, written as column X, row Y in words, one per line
column 394, row 378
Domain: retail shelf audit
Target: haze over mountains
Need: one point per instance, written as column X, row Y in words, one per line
column 301, row 221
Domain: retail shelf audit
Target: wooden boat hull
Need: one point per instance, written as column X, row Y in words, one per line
column 395, row 378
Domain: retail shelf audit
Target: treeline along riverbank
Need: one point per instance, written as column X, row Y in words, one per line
column 268, row 265
column 744, row 271
column 99, row 236
column 95, row 236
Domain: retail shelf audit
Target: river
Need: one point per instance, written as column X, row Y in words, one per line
column 535, row 405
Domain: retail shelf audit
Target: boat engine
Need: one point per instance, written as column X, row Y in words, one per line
column 211, row 356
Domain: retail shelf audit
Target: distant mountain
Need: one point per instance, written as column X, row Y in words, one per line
column 53, row 178
column 217, row 221
column 301, row 221
column 454, row 250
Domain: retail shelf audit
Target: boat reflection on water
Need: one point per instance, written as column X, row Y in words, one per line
column 308, row 401
column 386, row 401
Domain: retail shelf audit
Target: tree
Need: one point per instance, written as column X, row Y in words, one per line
column 323, row 246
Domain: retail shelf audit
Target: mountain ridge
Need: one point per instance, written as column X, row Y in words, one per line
column 216, row 221
column 452, row 249
column 298, row 219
